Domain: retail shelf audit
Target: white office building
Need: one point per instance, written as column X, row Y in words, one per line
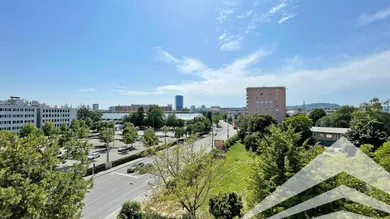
column 15, row 112
column 57, row 115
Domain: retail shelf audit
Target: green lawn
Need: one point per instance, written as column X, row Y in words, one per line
column 235, row 171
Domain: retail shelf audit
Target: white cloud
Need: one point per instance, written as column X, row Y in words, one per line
column 88, row 90
column 223, row 14
column 223, row 36
column 276, row 8
column 287, row 17
column 232, row 45
column 366, row 19
column 164, row 56
column 233, row 78
column 134, row 93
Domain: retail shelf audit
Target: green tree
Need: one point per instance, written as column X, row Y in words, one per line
column 326, row 121
column 200, row 127
column 301, row 124
column 89, row 122
column 186, row 175
column 185, row 109
column 49, row 129
column 367, row 132
column 342, row 116
column 31, row 186
column 171, row 120
column 29, row 129
column 130, row 134
column 63, row 128
column 96, row 115
column 180, row 123
column 83, row 112
column 130, row 210
column 140, row 117
column 279, row 159
column 155, row 117
column 251, row 141
column 225, row 206
column 165, row 129
column 317, row 114
column 179, row 132
column 230, row 120
column 216, row 119
column 107, row 136
column 149, row 138
column 209, row 116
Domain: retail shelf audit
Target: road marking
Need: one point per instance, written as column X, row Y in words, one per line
column 128, row 175
column 114, row 213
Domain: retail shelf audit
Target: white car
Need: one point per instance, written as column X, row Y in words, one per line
column 93, row 156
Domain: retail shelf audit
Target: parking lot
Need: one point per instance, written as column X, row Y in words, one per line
column 100, row 147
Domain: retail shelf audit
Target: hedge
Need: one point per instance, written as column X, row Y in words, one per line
column 231, row 141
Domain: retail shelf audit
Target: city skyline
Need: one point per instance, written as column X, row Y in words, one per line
column 137, row 52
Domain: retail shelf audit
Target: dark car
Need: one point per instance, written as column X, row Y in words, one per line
column 148, row 165
column 134, row 167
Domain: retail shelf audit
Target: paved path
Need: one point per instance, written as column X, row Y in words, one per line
column 115, row 186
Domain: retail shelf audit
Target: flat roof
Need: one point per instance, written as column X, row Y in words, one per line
column 184, row 116
column 329, row 130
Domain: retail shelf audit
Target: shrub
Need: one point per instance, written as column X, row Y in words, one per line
column 130, row 210
column 231, row 141
column 226, row 206
column 252, row 141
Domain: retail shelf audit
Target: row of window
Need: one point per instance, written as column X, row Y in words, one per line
column 56, row 111
column 264, row 101
column 11, row 128
column 17, row 110
column 17, row 116
column 55, row 115
column 16, row 122
column 56, row 120
column 326, row 135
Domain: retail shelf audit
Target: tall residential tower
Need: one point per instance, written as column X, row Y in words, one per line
column 179, row 102
column 267, row 100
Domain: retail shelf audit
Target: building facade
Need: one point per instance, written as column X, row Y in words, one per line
column 267, row 100
column 15, row 112
column 135, row 107
column 192, row 109
column 179, row 102
column 326, row 136
column 95, row 107
column 57, row 115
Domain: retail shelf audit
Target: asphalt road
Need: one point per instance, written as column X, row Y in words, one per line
column 113, row 187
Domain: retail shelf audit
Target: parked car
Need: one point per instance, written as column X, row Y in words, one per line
column 93, row 155
column 123, row 148
column 134, row 167
column 138, row 138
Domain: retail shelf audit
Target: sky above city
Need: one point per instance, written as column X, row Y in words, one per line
column 143, row 52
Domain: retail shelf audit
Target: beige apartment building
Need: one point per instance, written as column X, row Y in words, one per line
column 267, row 100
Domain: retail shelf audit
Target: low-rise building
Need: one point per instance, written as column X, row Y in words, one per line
column 57, row 115
column 135, row 107
column 326, row 136
column 16, row 112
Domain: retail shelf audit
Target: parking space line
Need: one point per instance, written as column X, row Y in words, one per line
column 128, row 175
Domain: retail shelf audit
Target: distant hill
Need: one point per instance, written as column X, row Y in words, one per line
column 316, row 105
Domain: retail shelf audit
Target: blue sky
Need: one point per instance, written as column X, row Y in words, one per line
column 140, row 52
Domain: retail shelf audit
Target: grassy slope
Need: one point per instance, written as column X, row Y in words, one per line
column 234, row 174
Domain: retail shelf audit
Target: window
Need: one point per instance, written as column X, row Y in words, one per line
column 277, row 89
column 261, row 93
column 329, row 135
column 277, row 110
column 257, row 101
column 266, row 101
column 270, row 101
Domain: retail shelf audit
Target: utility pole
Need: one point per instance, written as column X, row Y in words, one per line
column 108, row 151
column 212, row 137
column 227, row 131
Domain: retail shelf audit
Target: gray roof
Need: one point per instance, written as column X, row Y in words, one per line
column 329, row 130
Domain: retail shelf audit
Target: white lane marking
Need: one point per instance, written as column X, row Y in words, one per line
column 115, row 213
column 128, row 175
